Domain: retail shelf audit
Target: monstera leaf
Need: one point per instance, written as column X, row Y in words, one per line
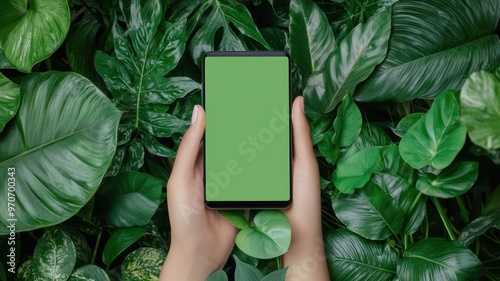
column 222, row 14
column 144, row 54
column 57, row 148
column 434, row 46
column 31, row 30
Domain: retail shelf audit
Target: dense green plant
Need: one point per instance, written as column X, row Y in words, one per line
column 403, row 99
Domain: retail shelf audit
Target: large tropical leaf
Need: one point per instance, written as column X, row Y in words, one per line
column 356, row 170
column 438, row 259
column 369, row 136
column 120, row 240
column 89, row 272
column 370, row 212
column 126, row 189
column 436, row 138
column 311, row 38
column 222, row 14
column 350, row 63
column 144, row 53
column 9, row 100
column 480, row 109
column 31, row 30
column 351, row 257
column 433, row 47
column 60, row 144
column 246, row 272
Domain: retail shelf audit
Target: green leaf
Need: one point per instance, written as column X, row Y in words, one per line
column 126, row 189
column 82, row 249
column 328, row 148
column 268, row 237
column 348, row 123
column 356, row 170
column 246, row 272
column 319, row 127
column 433, row 48
column 218, row 275
column 120, row 240
column 72, row 128
column 393, row 163
column 143, row 264
column 222, row 14
column 441, row 259
column 30, row 31
column 311, row 37
column 406, row 123
column 451, row 182
column 350, row 257
column 351, row 62
column 25, row 272
column 89, row 272
column 480, row 109
column 9, row 100
column 370, row 136
column 436, row 138
column 479, row 226
column 54, row 256
column 370, row 212
column 135, row 75
column 278, row 275
column 236, row 218
column 493, row 201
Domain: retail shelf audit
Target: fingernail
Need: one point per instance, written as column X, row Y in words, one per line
column 302, row 105
column 195, row 114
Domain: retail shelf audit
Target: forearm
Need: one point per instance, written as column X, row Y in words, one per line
column 305, row 259
column 182, row 264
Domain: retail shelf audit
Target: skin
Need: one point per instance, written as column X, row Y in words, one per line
column 202, row 240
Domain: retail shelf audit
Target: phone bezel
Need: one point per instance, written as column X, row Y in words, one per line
column 251, row 204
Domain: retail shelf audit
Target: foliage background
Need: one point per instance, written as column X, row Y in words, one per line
column 403, row 99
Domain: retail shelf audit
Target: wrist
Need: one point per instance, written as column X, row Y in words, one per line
column 186, row 263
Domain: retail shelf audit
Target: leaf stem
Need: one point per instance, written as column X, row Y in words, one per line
column 278, row 262
column 414, row 203
column 444, row 218
column 96, row 247
column 405, row 242
column 463, row 210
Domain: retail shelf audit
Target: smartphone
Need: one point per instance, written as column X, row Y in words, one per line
column 248, row 136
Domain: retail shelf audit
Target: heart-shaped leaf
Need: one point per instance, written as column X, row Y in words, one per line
column 31, row 30
column 480, row 109
column 370, row 136
column 54, row 256
column 350, row 257
column 9, row 100
column 120, row 240
column 479, row 226
column 328, row 148
column 89, row 272
column 222, row 14
column 406, row 123
column 351, row 62
column 355, row 171
column 71, row 128
column 311, row 38
column 441, row 259
column 268, row 237
column 433, row 48
column 451, row 182
column 126, row 189
column 436, row 138
column 370, row 212
column 143, row 264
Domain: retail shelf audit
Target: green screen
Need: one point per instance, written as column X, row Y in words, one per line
column 247, row 137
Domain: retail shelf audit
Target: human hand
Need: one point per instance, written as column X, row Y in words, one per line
column 306, row 255
column 202, row 239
